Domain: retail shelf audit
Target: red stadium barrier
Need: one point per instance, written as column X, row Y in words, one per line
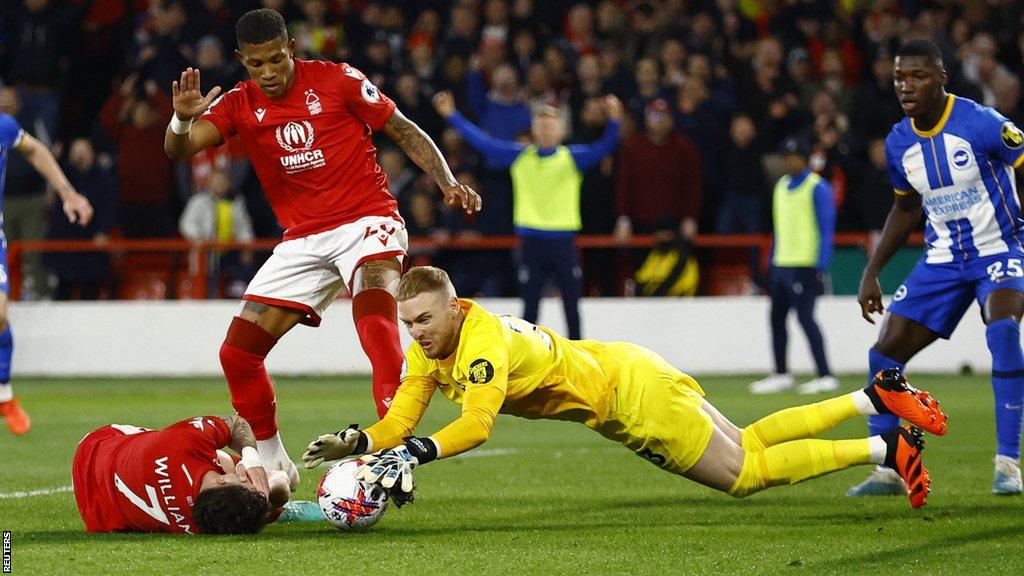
column 156, row 256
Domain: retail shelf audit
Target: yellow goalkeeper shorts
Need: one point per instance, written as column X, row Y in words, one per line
column 655, row 411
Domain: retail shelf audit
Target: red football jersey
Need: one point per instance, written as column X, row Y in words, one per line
column 130, row 479
column 312, row 148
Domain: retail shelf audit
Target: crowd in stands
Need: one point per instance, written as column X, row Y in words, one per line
column 711, row 88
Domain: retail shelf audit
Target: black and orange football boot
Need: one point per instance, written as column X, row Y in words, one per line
column 903, row 454
column 891, row 394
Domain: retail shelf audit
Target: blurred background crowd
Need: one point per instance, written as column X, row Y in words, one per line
column 711, row 88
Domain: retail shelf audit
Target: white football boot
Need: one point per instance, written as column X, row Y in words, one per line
column 819, row 385
column 882, row 482
column 1006, row 481
column 772, row 384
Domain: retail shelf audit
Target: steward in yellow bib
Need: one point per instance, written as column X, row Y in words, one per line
column 546, row 180
column 491, row 364
column 804, row 215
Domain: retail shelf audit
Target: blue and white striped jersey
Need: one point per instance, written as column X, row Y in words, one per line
column 10, row 136
column 963, row 170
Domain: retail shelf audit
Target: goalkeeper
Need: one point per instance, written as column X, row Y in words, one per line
column 490, row 364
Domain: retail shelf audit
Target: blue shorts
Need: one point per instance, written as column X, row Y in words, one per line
column 937, row 295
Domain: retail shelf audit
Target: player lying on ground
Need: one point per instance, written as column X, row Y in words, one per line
column 131, row 479
column 491, row 364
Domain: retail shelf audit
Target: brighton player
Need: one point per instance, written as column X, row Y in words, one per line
column 491, row 364
column 954, row 159
column 307, row 127
column 76, row 208
column 177, row 480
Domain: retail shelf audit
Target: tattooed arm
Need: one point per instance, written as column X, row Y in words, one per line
column 422, row 150
column 241, row 433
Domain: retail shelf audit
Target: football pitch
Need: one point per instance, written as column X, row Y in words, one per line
column 537, row 498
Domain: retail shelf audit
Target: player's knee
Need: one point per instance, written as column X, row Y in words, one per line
column 1002, row 334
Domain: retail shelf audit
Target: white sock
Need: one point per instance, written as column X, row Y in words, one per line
column 272, row 452
column 6, row 392
column 863, row 403
column 878, row 449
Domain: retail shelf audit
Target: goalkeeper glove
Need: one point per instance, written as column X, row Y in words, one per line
column 392, row 469
column 336, row 446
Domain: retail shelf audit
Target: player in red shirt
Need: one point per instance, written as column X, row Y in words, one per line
column 131, row 479
column 307, row 127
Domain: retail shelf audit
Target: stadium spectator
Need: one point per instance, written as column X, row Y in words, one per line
column 76, row 209
column 25, row 196
column 804, row 220
column 744, row 181
column 218, row 69
column 660, row 173
column 82, row 274
column 546, row 182
column 131, row 117
column 317, row 36
column 40, row 40
column 164, row 43
column 203, row 489
column 973, row 246
column 875, row 108
column 319, row 171
column 218, row 214
column 872, row 193
column 491, row 364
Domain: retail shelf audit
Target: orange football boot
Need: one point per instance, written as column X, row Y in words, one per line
column 891, row 394
column 903, row 454
column 17, row 419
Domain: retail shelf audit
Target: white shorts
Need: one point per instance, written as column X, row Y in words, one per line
column 306, row 274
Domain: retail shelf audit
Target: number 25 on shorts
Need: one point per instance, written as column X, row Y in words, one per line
column 1013, row 269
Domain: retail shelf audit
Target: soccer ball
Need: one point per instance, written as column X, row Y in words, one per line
column 350, row 504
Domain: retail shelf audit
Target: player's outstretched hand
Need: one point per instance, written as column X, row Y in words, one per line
column 462, row 195
column 869, row 296
column 392, row 469
column 187, row 98
column 78, row 209
column 331, row 447
column 444, row 103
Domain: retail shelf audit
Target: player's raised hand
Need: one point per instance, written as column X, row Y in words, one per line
column 444, row 103
column 331, row 447
column 462, row 195
column 869, row 296
column 187, row 98
column 78, row 209
column 613, row 108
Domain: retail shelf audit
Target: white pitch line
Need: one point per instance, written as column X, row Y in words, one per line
column 485, row 453
column 40, row 492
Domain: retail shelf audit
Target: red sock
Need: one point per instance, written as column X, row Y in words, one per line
column 376, row 316
column 252, row 393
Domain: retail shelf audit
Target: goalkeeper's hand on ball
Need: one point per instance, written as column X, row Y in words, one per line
column 333, row 446
column 391, row 468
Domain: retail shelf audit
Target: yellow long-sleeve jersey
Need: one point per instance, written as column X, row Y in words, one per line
column 502, row 365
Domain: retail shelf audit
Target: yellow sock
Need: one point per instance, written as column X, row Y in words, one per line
column 796, row 461
column 799, row 422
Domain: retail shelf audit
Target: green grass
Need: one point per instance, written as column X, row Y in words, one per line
column 564, row 501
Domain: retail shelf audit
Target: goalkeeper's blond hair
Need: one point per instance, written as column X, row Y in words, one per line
column 424, row 279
